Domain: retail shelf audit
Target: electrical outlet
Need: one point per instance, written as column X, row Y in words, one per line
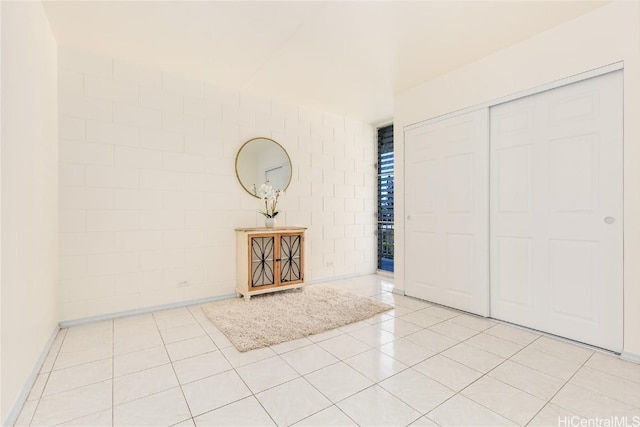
column 183, row 284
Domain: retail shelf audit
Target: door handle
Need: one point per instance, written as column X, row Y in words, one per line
column 609, row 220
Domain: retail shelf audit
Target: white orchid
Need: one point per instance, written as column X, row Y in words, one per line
column 269, row 197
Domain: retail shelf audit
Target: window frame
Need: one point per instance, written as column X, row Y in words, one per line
column 385, row 179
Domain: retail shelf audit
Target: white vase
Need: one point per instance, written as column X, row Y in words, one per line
column 269, row 222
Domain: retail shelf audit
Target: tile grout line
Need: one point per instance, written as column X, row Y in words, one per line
column 76, row 388
column 339, row 360
column 515, row 326
column 530, row 345
column 435, row 354
column 233, row 368
column 165, row 344
column 560, row 389
column 510, row 385
column 57, row 353
column 302, row 376
column 547, row 401
column 172, row 367
column 483, row 374
column 455, row 393
column 468, row 385
column 334, row 403
column 528, row 330
column 343, row 360
column 64, row 337
column 275, row 354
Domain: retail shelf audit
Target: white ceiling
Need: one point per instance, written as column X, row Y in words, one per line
column 349, row 57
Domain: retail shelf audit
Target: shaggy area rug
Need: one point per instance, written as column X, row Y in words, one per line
column 288, row 315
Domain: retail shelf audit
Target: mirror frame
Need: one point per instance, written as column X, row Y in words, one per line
column 277, row 144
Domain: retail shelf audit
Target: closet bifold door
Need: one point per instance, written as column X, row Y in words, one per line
column 446, row 208
column 556, row 211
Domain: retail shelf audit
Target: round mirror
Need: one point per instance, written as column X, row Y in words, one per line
column 260, row 160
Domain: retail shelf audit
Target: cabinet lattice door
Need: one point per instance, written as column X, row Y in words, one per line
column 263, row 261
column 290, row 258
column 269, row 259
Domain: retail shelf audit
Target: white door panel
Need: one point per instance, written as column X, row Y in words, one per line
column 556, row 175
column 446, row 203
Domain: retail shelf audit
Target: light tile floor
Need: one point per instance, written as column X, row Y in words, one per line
column 420, row 364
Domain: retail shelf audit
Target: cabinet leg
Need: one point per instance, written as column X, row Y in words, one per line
column 247, row 297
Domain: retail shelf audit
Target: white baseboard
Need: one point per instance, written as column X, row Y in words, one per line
column 13, row 414
column 144, row 310
column 343, row 277
column 385, row 273
column 351, row 276
column 630, row 357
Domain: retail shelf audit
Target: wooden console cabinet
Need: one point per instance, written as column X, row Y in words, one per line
column 269, row 259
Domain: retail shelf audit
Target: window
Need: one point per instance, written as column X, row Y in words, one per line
column 385, row 198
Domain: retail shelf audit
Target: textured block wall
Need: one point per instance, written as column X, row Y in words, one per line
column 149, row 196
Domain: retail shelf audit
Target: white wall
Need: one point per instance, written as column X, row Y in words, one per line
column 2, row 416
column 149, row 196
column 29, row 194
column 607, row 35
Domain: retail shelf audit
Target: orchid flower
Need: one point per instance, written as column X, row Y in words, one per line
column 269, row 197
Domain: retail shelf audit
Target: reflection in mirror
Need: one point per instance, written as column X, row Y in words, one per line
column 260, row 160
